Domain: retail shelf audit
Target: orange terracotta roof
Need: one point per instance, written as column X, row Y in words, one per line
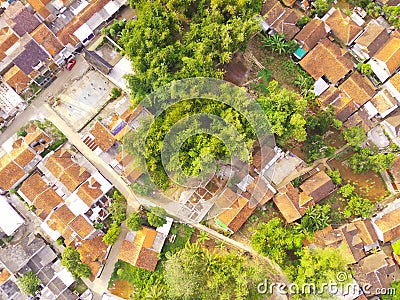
column 343, row 26
column 16, row 78
column 93, row 252
column 102, row 136
column 60, row 218
column 10, row 174
column 372, row 39
column 33, row 186
column 237, row 214
column 43, row 36
column 81, row 226
column 337, row 62
column 89, row 192
column 45, row 202
column 287, row 200
column 66, row 170
column 4, row 275
column 395, row 81
column 35, row 134
column 40, row 7
column 358, row 88
column 138, row 252
column 318, row 186
column 7, row 38
column 390, row 53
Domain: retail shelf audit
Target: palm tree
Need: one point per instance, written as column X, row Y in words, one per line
column 202, row 237
column 211, row 259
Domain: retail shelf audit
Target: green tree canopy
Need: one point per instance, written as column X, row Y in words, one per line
column 354, row 136
column 71, row 259
column 358, row 207
column 157, row 216
column 196, row 273
column 319, row 266
column 274, row 240
column 28, row 283
column 134, row 222
column 112, row 234
column 285, row 110
column 316, row 218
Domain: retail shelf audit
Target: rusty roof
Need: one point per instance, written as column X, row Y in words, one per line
column 395, row 81
column 311, row 34
column 237, row 214
column 102, row 136
column 93, row 252
column 318, row 186
column 390, row 52
column 337, row 62
column 7, row 38
column 89, row 192
column 33, row 186
column 16, row 78
column 35, row 134
column 45, row 202
column 139, row 252
column 282, row 20
column 288, row 202
column 66, row 170
column 81, row 226
column 43, row 36
column 395, row 170
column 60, row 219
column 343, row 26
column 66, row 33
column 358, row 88
column 372, row 39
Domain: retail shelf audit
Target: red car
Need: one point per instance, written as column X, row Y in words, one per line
column 71, row 64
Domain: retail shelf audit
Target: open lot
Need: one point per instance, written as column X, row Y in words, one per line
column 83, row 98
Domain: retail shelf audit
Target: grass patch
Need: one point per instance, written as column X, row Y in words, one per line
column 183, row 234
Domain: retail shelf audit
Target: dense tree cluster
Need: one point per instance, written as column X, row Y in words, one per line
column 284, row 245
column 196, row 273
column 175, row 39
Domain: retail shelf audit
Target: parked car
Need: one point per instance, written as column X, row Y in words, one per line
column 71, row 64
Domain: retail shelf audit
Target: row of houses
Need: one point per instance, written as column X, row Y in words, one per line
column 38, row 37
column 67, row 193
column 32, row 254
column 341, row 42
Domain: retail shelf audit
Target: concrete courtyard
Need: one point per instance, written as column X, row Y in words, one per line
column 83, row 98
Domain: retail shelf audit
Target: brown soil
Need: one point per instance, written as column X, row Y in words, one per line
column 368, row 184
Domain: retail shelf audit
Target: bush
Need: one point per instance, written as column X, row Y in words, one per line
column 134, row 222
column 112, row 234
column 364, row 69
column 157, row 216
column 303, row 21
column 335, row 176
column 28, row 283
column 115, row 93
